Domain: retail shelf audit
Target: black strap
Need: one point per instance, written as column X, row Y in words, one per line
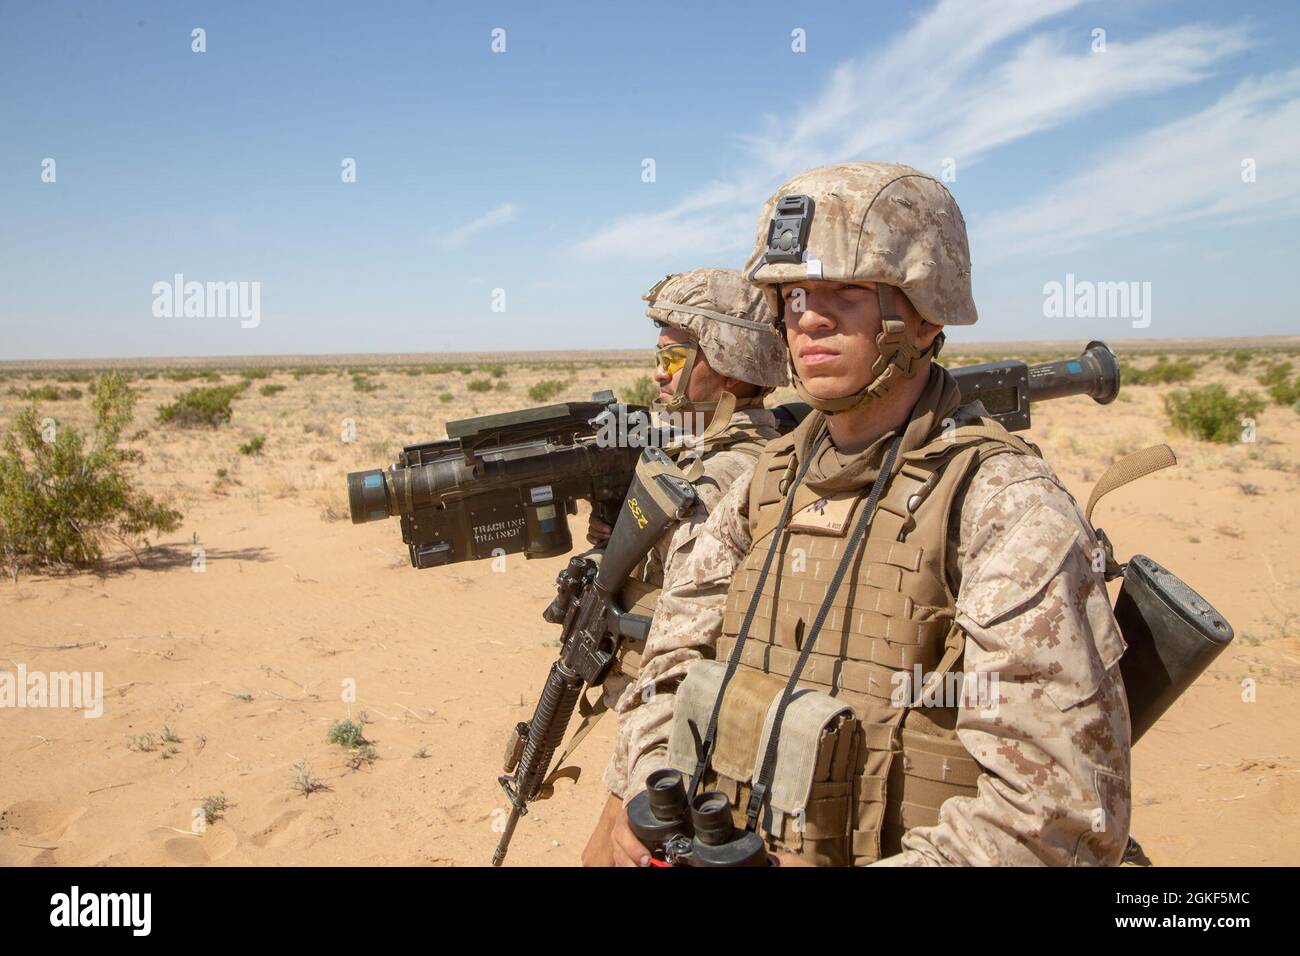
column 758, row 795
column 706, row 747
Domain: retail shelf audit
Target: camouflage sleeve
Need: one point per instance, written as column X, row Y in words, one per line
column 1053, row 738
column 687, row 622
column 721, row 471
column 674, row 546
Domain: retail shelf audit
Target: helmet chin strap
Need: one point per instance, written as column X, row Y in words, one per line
column 899, row 359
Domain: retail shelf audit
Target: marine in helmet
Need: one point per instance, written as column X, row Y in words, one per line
column 889, row 643
column 717, row 357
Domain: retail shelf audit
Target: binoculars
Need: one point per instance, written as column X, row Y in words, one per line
column 701, row 834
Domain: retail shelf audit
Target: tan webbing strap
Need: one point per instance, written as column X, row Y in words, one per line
column 737, row 320
column 954, row 644
column 726, row 407
column 963, row 433
column 591, row 718
column 689, row 451
column 1130, row 468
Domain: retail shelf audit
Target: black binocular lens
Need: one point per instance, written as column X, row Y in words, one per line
column 667, row 794
column 711, row 817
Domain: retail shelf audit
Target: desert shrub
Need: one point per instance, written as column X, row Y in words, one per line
column 546, row 389
column 188, row 375
column 45, row 393
column 445, row 396
column 1276, row 374
column 479, row 385
column 362, row 384
column 503, row 385
column 61, row 495
column 363, row 756
column 1277, row 379
column 1284, row 392
column 1236, row 362
column 1210, row 413
column 200, row 407
column 1163, row 372
column 256, row 373
column 497, row 371
column 465, row 369
column 214, row 806
column 347, row 733
column 253, row 446
column 269, row 390
column 304, row 781
column 641, row 392
column 301, row 373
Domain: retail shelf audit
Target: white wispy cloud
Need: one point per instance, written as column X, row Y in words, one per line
column 1187, row 170
column 496, row 216
column 967, row 77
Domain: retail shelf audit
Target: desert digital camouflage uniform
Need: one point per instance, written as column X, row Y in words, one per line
column 730, row 323
column 977, row 560
column 747, row 431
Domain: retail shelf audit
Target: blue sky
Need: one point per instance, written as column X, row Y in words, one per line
column 522, row 170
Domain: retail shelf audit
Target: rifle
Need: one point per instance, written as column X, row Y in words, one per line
column 501, row 484
column 594, row 626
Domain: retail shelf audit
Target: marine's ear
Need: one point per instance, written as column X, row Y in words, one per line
column 926, row 334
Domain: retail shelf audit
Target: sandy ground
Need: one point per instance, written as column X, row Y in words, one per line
column 268, row 617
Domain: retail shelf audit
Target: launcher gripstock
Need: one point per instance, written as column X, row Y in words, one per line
column 594, row 626
column 501, row 484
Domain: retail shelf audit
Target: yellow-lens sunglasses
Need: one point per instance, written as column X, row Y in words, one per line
column 671, row 358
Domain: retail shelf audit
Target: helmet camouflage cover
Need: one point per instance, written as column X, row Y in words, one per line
column 729, row 320
column 883, row 223
column 877, row 222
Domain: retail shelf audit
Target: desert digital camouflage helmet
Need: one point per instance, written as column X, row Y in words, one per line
column 882, row 223
column 729, row 321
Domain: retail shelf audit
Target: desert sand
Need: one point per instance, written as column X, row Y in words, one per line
column 245, row 631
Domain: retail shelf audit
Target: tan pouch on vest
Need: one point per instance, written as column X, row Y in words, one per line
column 809, row 809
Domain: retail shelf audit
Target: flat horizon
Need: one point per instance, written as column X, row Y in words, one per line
column 561, row 356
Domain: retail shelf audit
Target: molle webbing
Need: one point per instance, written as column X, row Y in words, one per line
column 893, row 613
column 764, row 779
